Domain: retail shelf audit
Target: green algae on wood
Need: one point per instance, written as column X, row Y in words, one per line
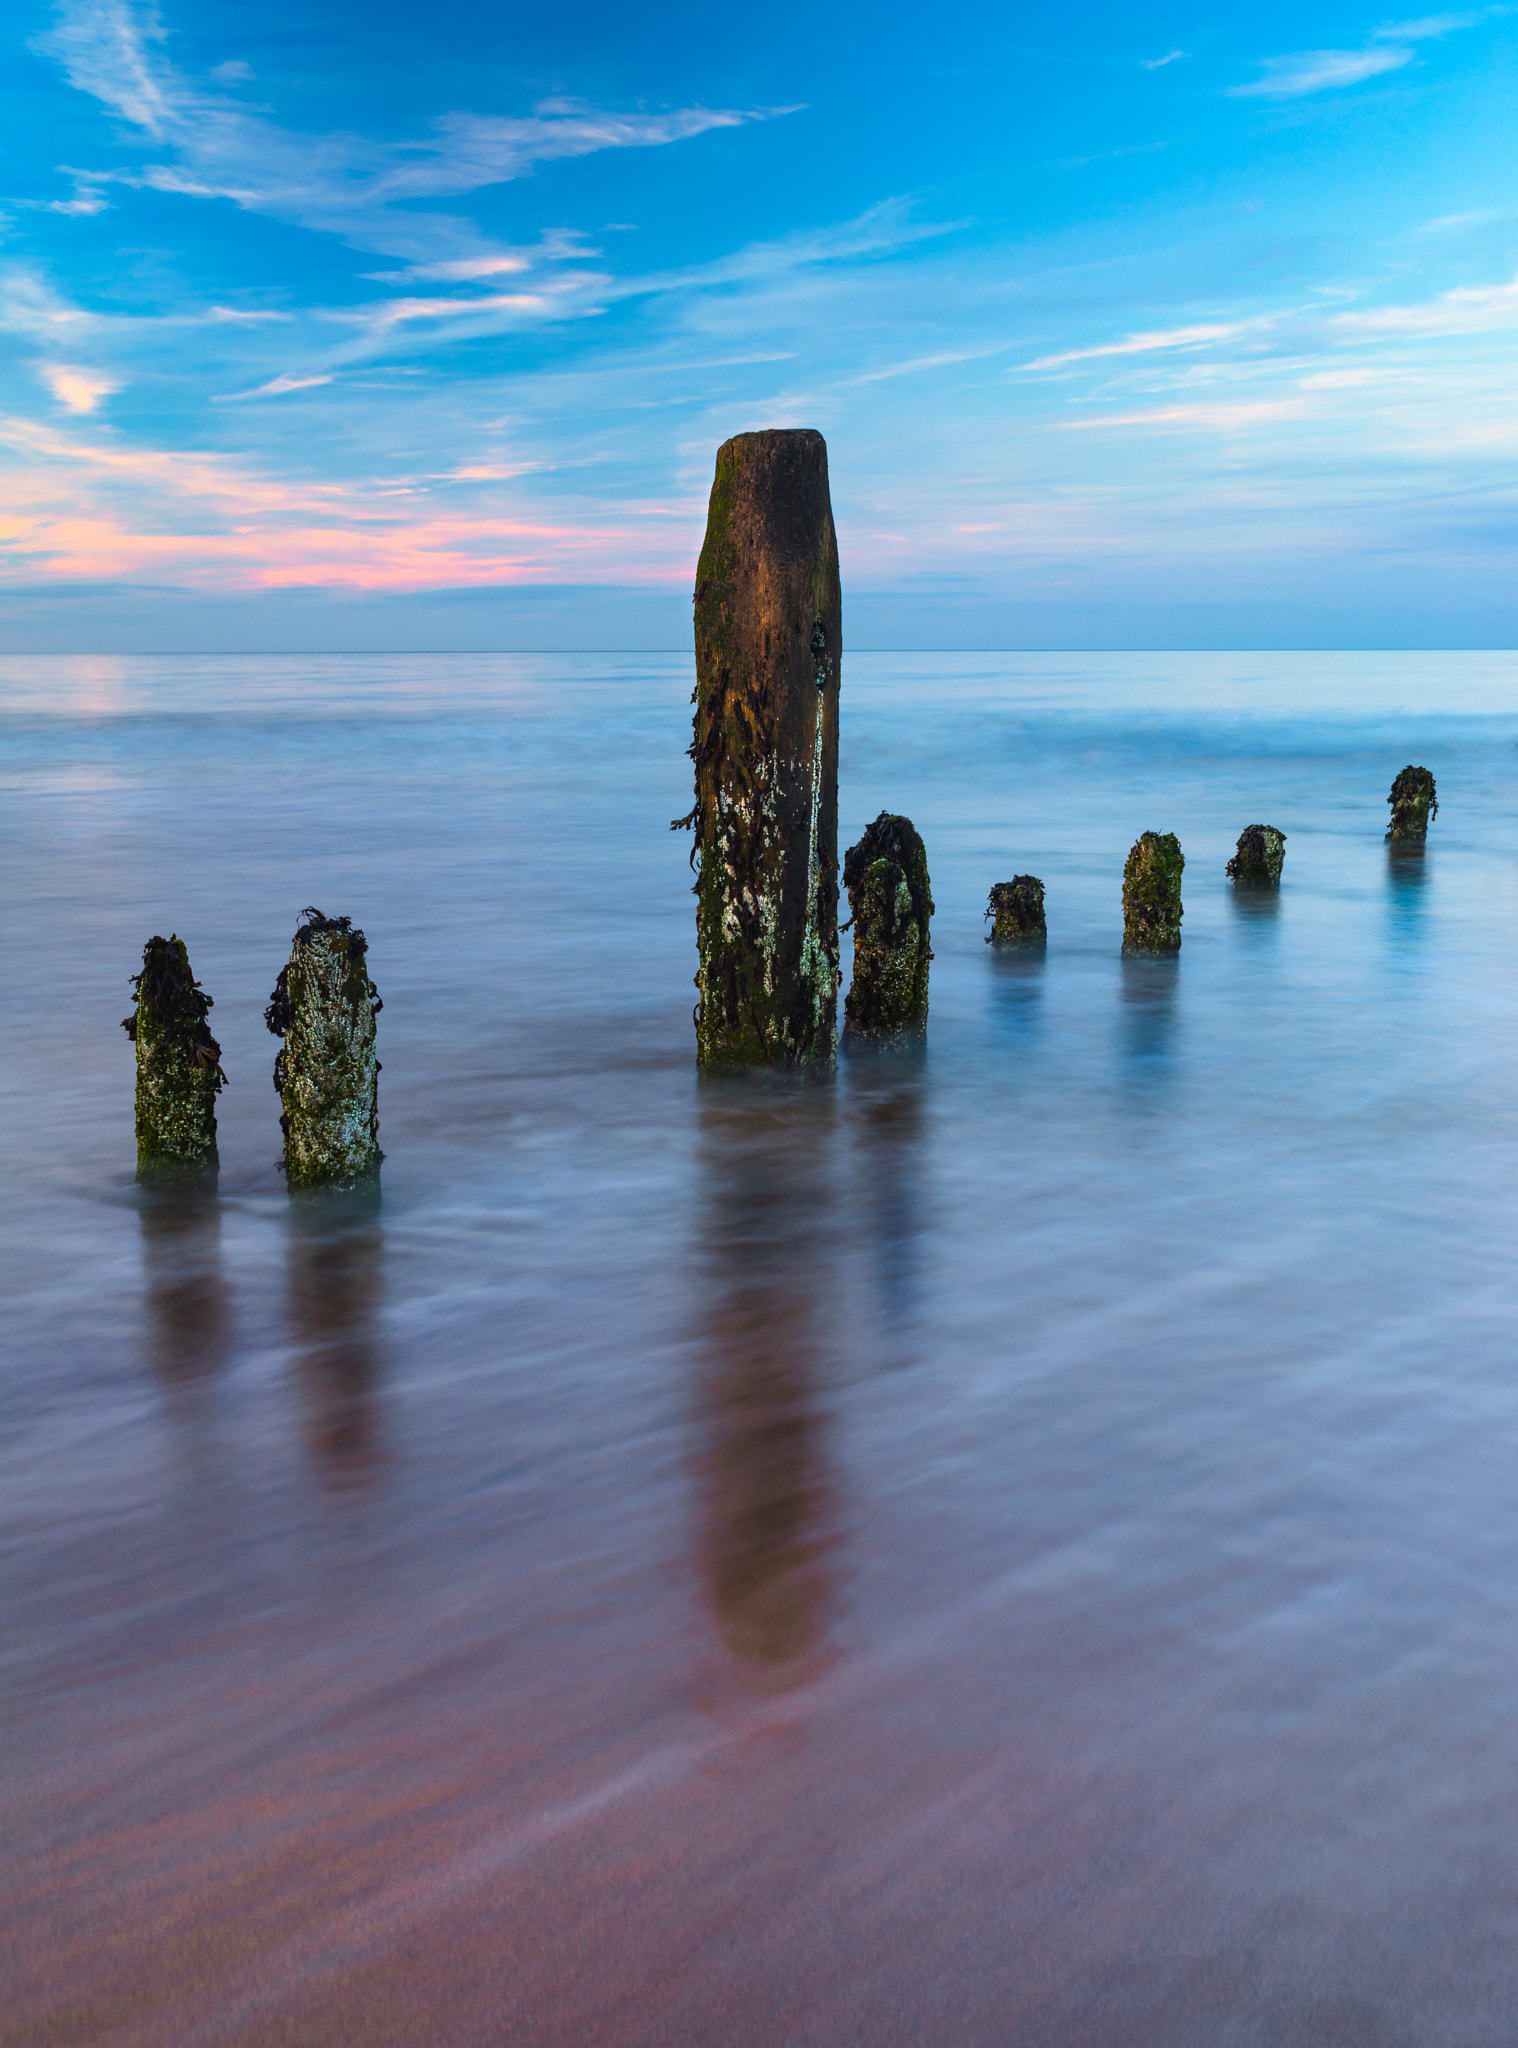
column 890, row 904
column 1260, row 854
column 1413, row 804
column 323, row 1007
column 1018, row 910
column 1152, row 894
column 768, row 627
column 178, row 1061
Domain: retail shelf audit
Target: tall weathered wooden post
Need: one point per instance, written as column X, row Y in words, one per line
column 768, row 638
column 323, row 1007
column 178, row 1062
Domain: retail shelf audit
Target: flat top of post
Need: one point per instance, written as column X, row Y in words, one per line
column 773, row 439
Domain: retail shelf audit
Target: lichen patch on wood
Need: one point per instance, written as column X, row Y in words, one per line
column 179, row 1071
column 1152, row 894
column 1017, row 908
column 1414, row 804
column 768, row 630
column 327, row 1075
column 1259, row 856
column 890, row 905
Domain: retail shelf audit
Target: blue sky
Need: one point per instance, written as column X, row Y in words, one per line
column 403, row 326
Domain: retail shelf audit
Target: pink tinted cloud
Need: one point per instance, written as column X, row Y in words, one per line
column 401, row 555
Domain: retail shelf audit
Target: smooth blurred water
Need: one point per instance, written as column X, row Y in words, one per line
column 1014, row 1546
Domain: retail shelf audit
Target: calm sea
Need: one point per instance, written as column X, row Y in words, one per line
column 1013, row 1547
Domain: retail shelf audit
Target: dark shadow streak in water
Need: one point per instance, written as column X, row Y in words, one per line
column 886, row 1104
column 335, row 1287
column 187, row 1311
column 766, row 1269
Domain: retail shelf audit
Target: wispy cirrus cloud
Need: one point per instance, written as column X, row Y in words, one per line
column 278, row 386
column 1142, row 344
column 1388, row 48
column 1468, row 309
column 346, row 185
column 1159, row 63
column 1309, row 71
column 1221, row 416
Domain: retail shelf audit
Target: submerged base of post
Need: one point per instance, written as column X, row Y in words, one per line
column 1414, row 803
column 1261, row 852
column 327, row 1075
column 1017, row 908
column 890, row 902
column 1152, row 894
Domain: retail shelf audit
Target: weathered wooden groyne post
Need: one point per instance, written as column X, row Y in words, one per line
column 1152, row 894
column 1259, row 856
column 1017, row 911
column 178, row 1062
column 890, row 903
column 768, row 616
column 323, row 1007
column 1413, row 804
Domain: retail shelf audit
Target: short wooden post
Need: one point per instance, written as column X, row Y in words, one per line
column 323, row 1007
column 178, row 1061
column 1152, row 894
column 1259, row 856
column 1017, row 908
column 1414, row 804
column 890, row 902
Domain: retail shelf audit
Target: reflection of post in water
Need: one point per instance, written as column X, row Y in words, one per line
column 186, row 1299
column 1149, row 986
column 336, row 1276
column 1256, row 906
column 761, row 1462
column 886, row 1101
column 1017, row 990
column 1406, row 874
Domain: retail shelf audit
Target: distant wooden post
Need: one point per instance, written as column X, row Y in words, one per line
column 1260, row 854
column 768, row 639
column 891, row 902
column 1016, row 909
column 1152, row 894
column 323, row 1007
column 178, row 1061
column 1413, row 803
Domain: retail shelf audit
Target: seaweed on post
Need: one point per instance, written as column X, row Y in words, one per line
column 890, row 904
column 1414, row 804
column 1259, row 856
column 1152, row 894
column 179, row 1072
column 1017, row 908
column 327, row 1075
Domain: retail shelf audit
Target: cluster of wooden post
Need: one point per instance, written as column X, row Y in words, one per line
column 769, row 636
column 327, row 1076
column 768, row 641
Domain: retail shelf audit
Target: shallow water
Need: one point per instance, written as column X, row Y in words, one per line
column 1017, row 1546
